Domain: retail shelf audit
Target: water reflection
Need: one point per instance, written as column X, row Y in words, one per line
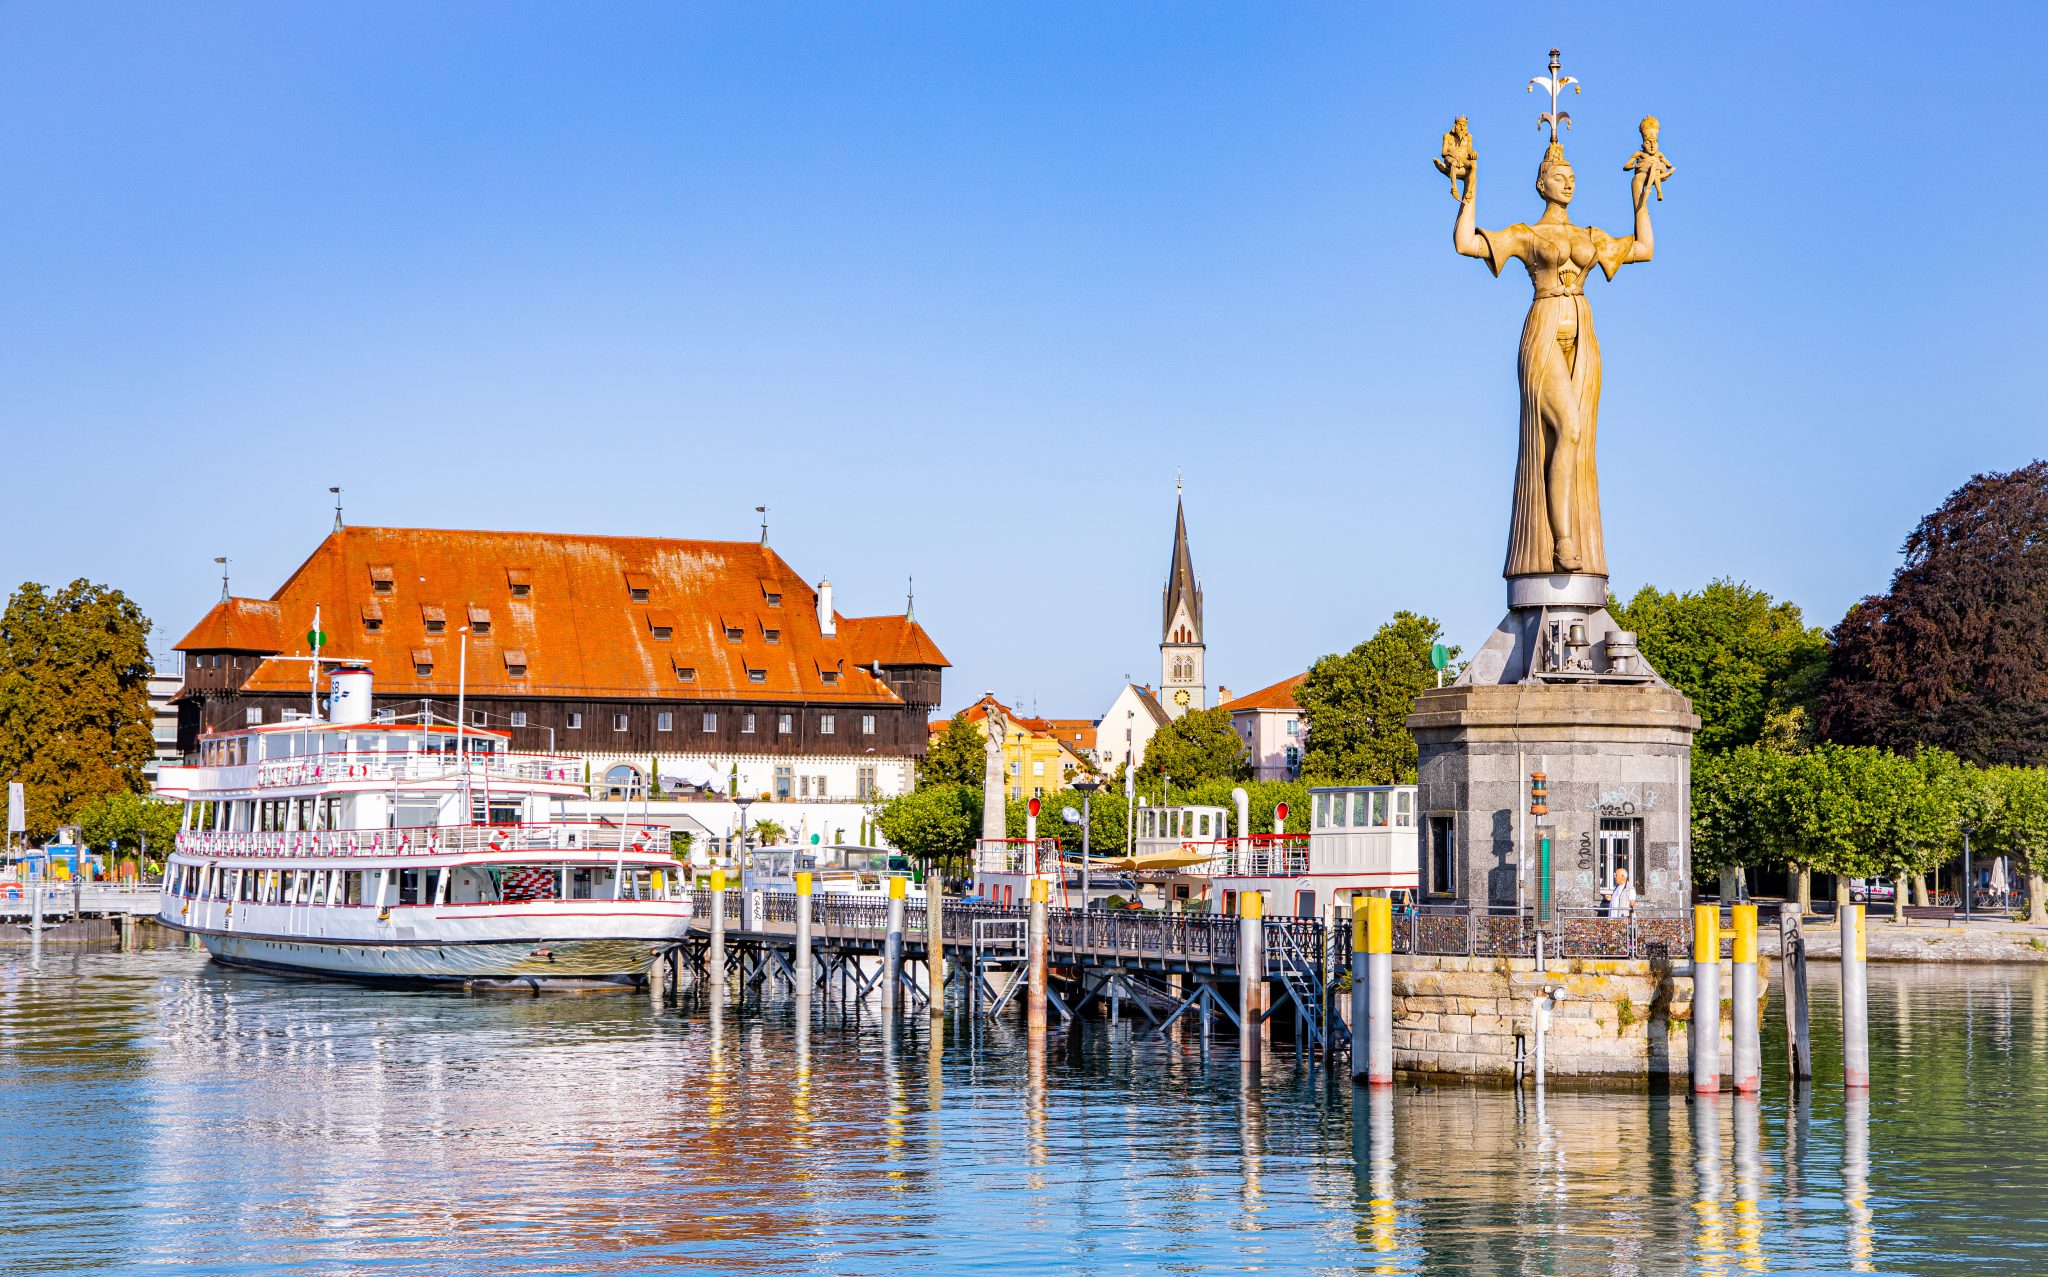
column 165, row 1112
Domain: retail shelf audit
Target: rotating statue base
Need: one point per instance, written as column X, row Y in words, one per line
column 1559, row 689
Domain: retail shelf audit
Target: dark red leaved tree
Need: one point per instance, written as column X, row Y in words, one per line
column 1956, row 654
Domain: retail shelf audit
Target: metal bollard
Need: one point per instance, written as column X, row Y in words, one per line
column 1034, row 992
column 1251, row 972
column 934, row 945
column 802, row 965
column 1361, row 991
column 892, row 948
column 1379, row 973
column 1706, row 999
column 1855, row 1000
column 714, row 957
column 1747, row 1055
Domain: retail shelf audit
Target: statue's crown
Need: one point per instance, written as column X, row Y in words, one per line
column 1552, row 154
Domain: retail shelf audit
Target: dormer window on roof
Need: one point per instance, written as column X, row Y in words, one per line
column 638, row 586
column 479, row 619
column 519, row 581
column 735, row 634
column 423, row 660
column 382, row 578
column 757, row 676
column 660, row 624
column 434, row 618
column 771, row 594
column 772, row 636
column 373, row 616
column 515, row 662
column 686, row 673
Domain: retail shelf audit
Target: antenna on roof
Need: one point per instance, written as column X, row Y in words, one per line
column 337, row 508
column 222, row 559
column 762, row 510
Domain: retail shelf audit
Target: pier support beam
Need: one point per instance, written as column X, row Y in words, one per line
column 1792, row 962
column 1706, row 999
column 1855, row 1000
column 892, row 948
column 1034, row 992
column 802, row 965
column 1747, row 1056
column 1251, row 973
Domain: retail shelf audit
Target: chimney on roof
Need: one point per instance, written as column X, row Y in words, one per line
column 826, row 626
column 1223, row 696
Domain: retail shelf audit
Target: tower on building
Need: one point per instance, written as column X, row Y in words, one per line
column 1182, row 683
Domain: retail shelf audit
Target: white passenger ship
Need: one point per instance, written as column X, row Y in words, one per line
column 410, row 851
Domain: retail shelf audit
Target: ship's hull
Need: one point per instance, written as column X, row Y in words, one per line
column 522, row 964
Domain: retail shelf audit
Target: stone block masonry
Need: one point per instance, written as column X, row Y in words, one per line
column 1622, row 1020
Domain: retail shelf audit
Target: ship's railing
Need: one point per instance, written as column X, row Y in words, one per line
column 1507, row 932
column 1258, row 856
column 592, row 836
column 1017, row 855
column 323, row 769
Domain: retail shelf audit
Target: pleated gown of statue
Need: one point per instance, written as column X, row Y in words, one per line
column 1558, row 258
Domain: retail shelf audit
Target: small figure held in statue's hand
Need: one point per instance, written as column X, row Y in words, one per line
column 1456, row 162
column 1650, row 165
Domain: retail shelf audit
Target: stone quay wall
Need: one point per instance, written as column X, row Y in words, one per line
column 1619, row 1019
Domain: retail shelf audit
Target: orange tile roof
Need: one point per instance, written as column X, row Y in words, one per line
column 577, row 624
column 1078, row 732
column 892, row 640
column 1279, row 696
column 240, row 625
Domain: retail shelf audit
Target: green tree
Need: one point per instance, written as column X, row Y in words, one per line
column 767, row 833
column 2014, row 823
column 127, row 822
column 1199, row 745
column 1107, row 833
column 956, row 756
column 1751, row 665
column 1736, row 795
column 1356, row 704
column 1955, row 654
column 74, row 697
column 934, row 823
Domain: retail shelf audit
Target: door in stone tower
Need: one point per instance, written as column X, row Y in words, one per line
column 1619, row 844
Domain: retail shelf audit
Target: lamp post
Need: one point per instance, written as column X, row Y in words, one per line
column 742, row 803
column 1087, row 788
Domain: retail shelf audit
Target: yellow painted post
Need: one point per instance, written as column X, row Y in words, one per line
column 892, row 947
column 1855, row 999
column 1379, row 958
column 1361, row 979
column 1034, row 992
column 1706, row 999
column 714, row 956
column 1251, row 972
column 803, row 932
column 1747, row 1052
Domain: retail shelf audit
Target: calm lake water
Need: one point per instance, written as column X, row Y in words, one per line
column 158, row 1113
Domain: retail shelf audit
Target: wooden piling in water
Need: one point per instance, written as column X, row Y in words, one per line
column 1792, row 958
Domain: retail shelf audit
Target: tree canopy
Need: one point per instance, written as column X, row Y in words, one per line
column 1751, row 665
column 1356, row 704
column 933, row 822
column 956, row 756
column 1199, row 745
column 74, row 698
column 1956, row 653
column 129, row 822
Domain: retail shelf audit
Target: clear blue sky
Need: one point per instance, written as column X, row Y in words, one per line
column 955, row 288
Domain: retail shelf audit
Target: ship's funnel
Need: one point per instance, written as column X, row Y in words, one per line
column 348, row 695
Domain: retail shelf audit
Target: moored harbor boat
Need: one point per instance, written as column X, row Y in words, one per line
column 418, row 851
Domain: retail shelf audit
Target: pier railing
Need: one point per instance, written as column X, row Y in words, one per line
column 1458, row 931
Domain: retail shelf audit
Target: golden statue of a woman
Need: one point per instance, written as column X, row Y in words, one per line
column 1556, row 522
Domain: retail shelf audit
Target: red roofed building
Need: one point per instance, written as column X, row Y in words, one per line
column 631, row 651
column 1270, row 724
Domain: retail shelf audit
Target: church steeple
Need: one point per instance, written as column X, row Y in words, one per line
column 1181, row 648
